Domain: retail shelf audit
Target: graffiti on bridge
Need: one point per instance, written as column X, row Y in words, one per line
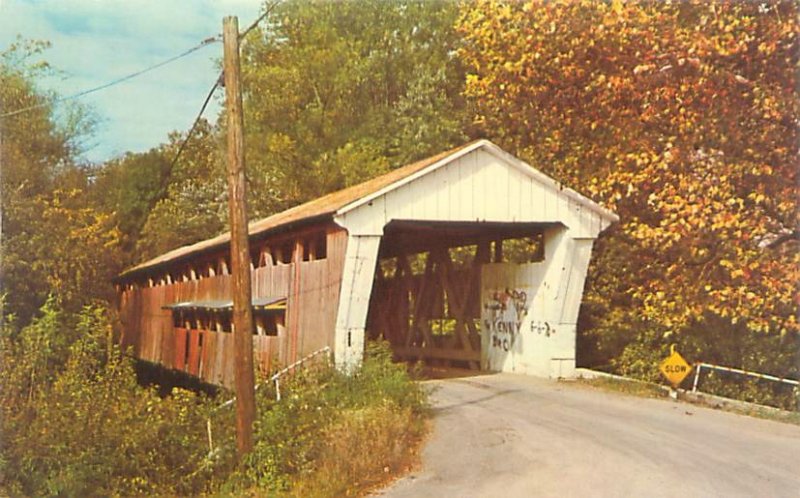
column 504, row 312
column 540, row 328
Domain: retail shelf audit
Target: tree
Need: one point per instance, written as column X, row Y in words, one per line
column 63, row 371
column 129, row 187
column 193, row 203
column 334, row 95
column 680, row 116
column 338, row 93
column 53, row 241
column 59, row 246
column 34, row 148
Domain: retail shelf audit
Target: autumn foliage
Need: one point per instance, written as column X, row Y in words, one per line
column 682, row 117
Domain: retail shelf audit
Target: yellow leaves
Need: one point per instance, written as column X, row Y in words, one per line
column 735, row 201
column 472, row 80
column 682, row 155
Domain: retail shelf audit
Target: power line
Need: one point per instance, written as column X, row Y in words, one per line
column 117, row 81
column 214, row 87
column 194, row 126
column 123, row 79
column 267, row 10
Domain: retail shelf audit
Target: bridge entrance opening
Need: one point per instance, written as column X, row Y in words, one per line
column 426, row 298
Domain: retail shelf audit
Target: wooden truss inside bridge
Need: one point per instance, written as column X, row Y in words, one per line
column 426, row 294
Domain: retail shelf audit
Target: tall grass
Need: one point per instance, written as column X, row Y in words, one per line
column 75, row 422
column 334, row 434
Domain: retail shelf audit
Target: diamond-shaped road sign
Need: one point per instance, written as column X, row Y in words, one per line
column 675, row 368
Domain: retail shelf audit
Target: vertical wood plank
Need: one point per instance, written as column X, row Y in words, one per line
column 194, row 352
column 180, row 349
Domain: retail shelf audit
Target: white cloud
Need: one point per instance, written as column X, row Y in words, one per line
column 94, row 42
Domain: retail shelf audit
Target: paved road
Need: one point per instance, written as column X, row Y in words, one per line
column 513, row 436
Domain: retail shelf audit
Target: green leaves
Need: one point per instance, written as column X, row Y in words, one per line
column 337, row 93
column 76, row 423
column 332, row 432
column 54, row 241
column 57, row 245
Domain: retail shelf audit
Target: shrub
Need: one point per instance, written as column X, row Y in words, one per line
column 80, row 425
column 75, row 422
column 719, row 341
column 331, row 434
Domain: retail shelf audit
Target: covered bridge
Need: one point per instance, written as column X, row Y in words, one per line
column 470, row 257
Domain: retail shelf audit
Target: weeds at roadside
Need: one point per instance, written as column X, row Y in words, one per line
column 334, row 434
column 630, row 387
column 75, row 423
column 650, row 390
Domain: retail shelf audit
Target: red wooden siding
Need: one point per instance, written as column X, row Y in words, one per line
column 312, row 292
column 179, row 354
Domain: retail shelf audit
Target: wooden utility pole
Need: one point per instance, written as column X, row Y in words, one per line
column 240, row 248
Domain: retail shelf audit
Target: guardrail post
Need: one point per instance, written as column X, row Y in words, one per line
column 696, row 377
column 210, row 439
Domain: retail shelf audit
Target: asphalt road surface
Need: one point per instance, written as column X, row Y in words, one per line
column 514, row 436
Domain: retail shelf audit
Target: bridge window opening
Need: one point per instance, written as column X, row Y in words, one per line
column 225, row 322
column 284, row 252
column 269, row 315
column 255, row 258
column 388, row 267
column 265, row 257
column 321, row 246
column 522, row 250
column 315, row 247
column 268, row 323
column 222, row 266
column 463, row 255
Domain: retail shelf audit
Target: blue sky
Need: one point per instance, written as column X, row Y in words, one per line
column 96, row 41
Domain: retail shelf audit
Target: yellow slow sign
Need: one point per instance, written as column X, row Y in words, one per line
column 675, row 368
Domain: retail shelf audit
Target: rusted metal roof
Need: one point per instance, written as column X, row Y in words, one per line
column 318, row 209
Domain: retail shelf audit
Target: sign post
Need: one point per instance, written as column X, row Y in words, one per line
column 675, row 369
